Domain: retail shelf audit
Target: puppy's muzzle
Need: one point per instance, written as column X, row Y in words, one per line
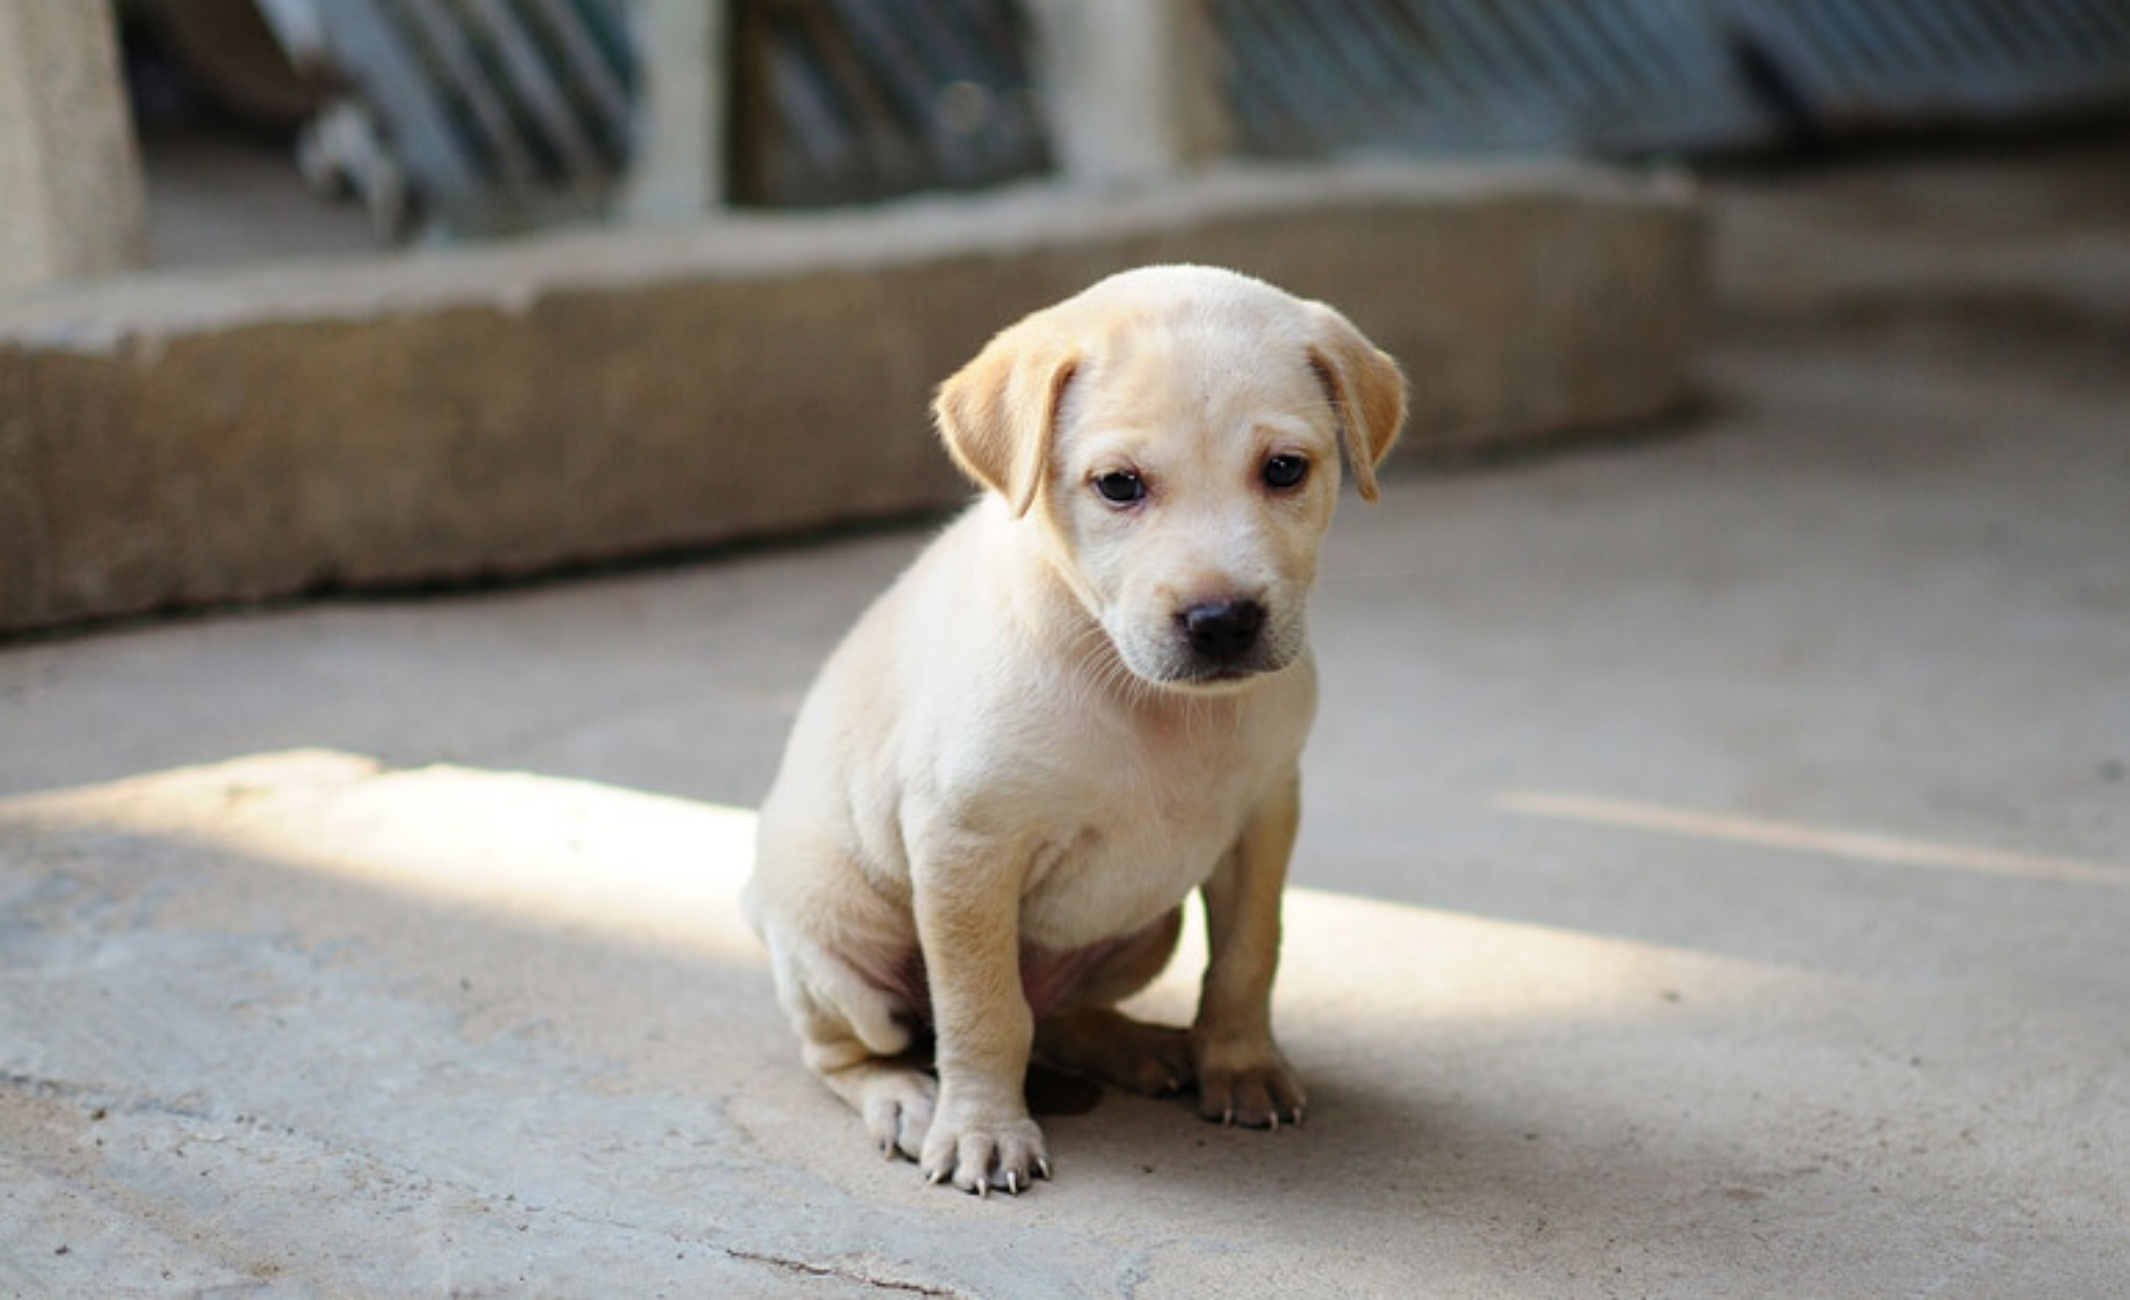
column 1224, row 636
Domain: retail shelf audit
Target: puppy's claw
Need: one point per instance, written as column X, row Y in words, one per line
column 1042, row 1167
column 1013, row 1183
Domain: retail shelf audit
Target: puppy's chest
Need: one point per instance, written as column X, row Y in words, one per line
column 1131, row 842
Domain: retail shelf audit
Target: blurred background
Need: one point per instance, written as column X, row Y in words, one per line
column 408, row 119
column 588, row 253
column 1715, row 876
column 704, row 196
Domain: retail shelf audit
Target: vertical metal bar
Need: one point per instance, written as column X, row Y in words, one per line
column 1554, row 76
column 2054, row 42
column 1868, row 42
column 530, row 76
column 1285, row 74
column 890, row 158
column 2076, row 22
column 1437, row 104
column 1584, row 38
column 588, row 64
column 1897, row 21
column 1618, row 28
column 454, row 58
column 2111, row 18
column 816, row 130
column 904, row 75
column 1454, row 50
column 1363, row 83
column 1827, row 53
column 392, row 78
column 1515, row 118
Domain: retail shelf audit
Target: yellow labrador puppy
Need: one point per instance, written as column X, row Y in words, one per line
column 1086, row 699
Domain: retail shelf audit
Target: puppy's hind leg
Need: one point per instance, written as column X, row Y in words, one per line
column 851, row 1037
column 1089, row 1036
column 891, row 1094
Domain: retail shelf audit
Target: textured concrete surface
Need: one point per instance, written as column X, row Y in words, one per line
column 1713, row 881
column 196, row 437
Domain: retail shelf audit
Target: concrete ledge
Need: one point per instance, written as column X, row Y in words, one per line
column 173, row 440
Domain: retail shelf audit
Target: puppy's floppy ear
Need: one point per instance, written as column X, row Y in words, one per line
column 1365, row 387
column 999, row 413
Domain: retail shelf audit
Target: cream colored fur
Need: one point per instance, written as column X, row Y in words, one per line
column 1014, row 770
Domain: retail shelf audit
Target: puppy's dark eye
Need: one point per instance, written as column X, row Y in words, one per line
column 1120, row 487
column 1285, row 472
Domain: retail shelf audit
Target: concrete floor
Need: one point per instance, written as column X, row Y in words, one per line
column 1714, row 880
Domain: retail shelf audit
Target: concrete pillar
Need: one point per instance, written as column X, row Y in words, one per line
column 678, row 173
column 71, row 205
column 1132, row 87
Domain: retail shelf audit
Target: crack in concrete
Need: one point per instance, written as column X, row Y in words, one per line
column 39, row 1088
column 800, row 1266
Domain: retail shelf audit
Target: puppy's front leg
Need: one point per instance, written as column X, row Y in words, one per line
column 968, row 921
column 1242, row 1076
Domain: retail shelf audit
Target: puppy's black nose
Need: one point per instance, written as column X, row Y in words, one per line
column 1223, row 631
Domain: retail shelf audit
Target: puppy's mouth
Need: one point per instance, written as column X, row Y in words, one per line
column 1213, row 679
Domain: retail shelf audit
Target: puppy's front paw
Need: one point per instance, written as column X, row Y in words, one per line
column 979, row 1147
column 1251, row 1085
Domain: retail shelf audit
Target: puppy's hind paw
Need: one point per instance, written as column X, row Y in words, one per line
column 1153, row 1060
column 898, row 1113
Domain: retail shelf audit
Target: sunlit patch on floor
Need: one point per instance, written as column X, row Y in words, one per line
column 637, row 868
column 1799, row 837
column 572, row 853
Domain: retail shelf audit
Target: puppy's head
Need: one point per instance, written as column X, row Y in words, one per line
column 1175, row 434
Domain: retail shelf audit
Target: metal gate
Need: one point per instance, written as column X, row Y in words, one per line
column 1623, row 77
column 501, row 111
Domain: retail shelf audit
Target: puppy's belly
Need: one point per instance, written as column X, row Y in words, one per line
column 1048, row 977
